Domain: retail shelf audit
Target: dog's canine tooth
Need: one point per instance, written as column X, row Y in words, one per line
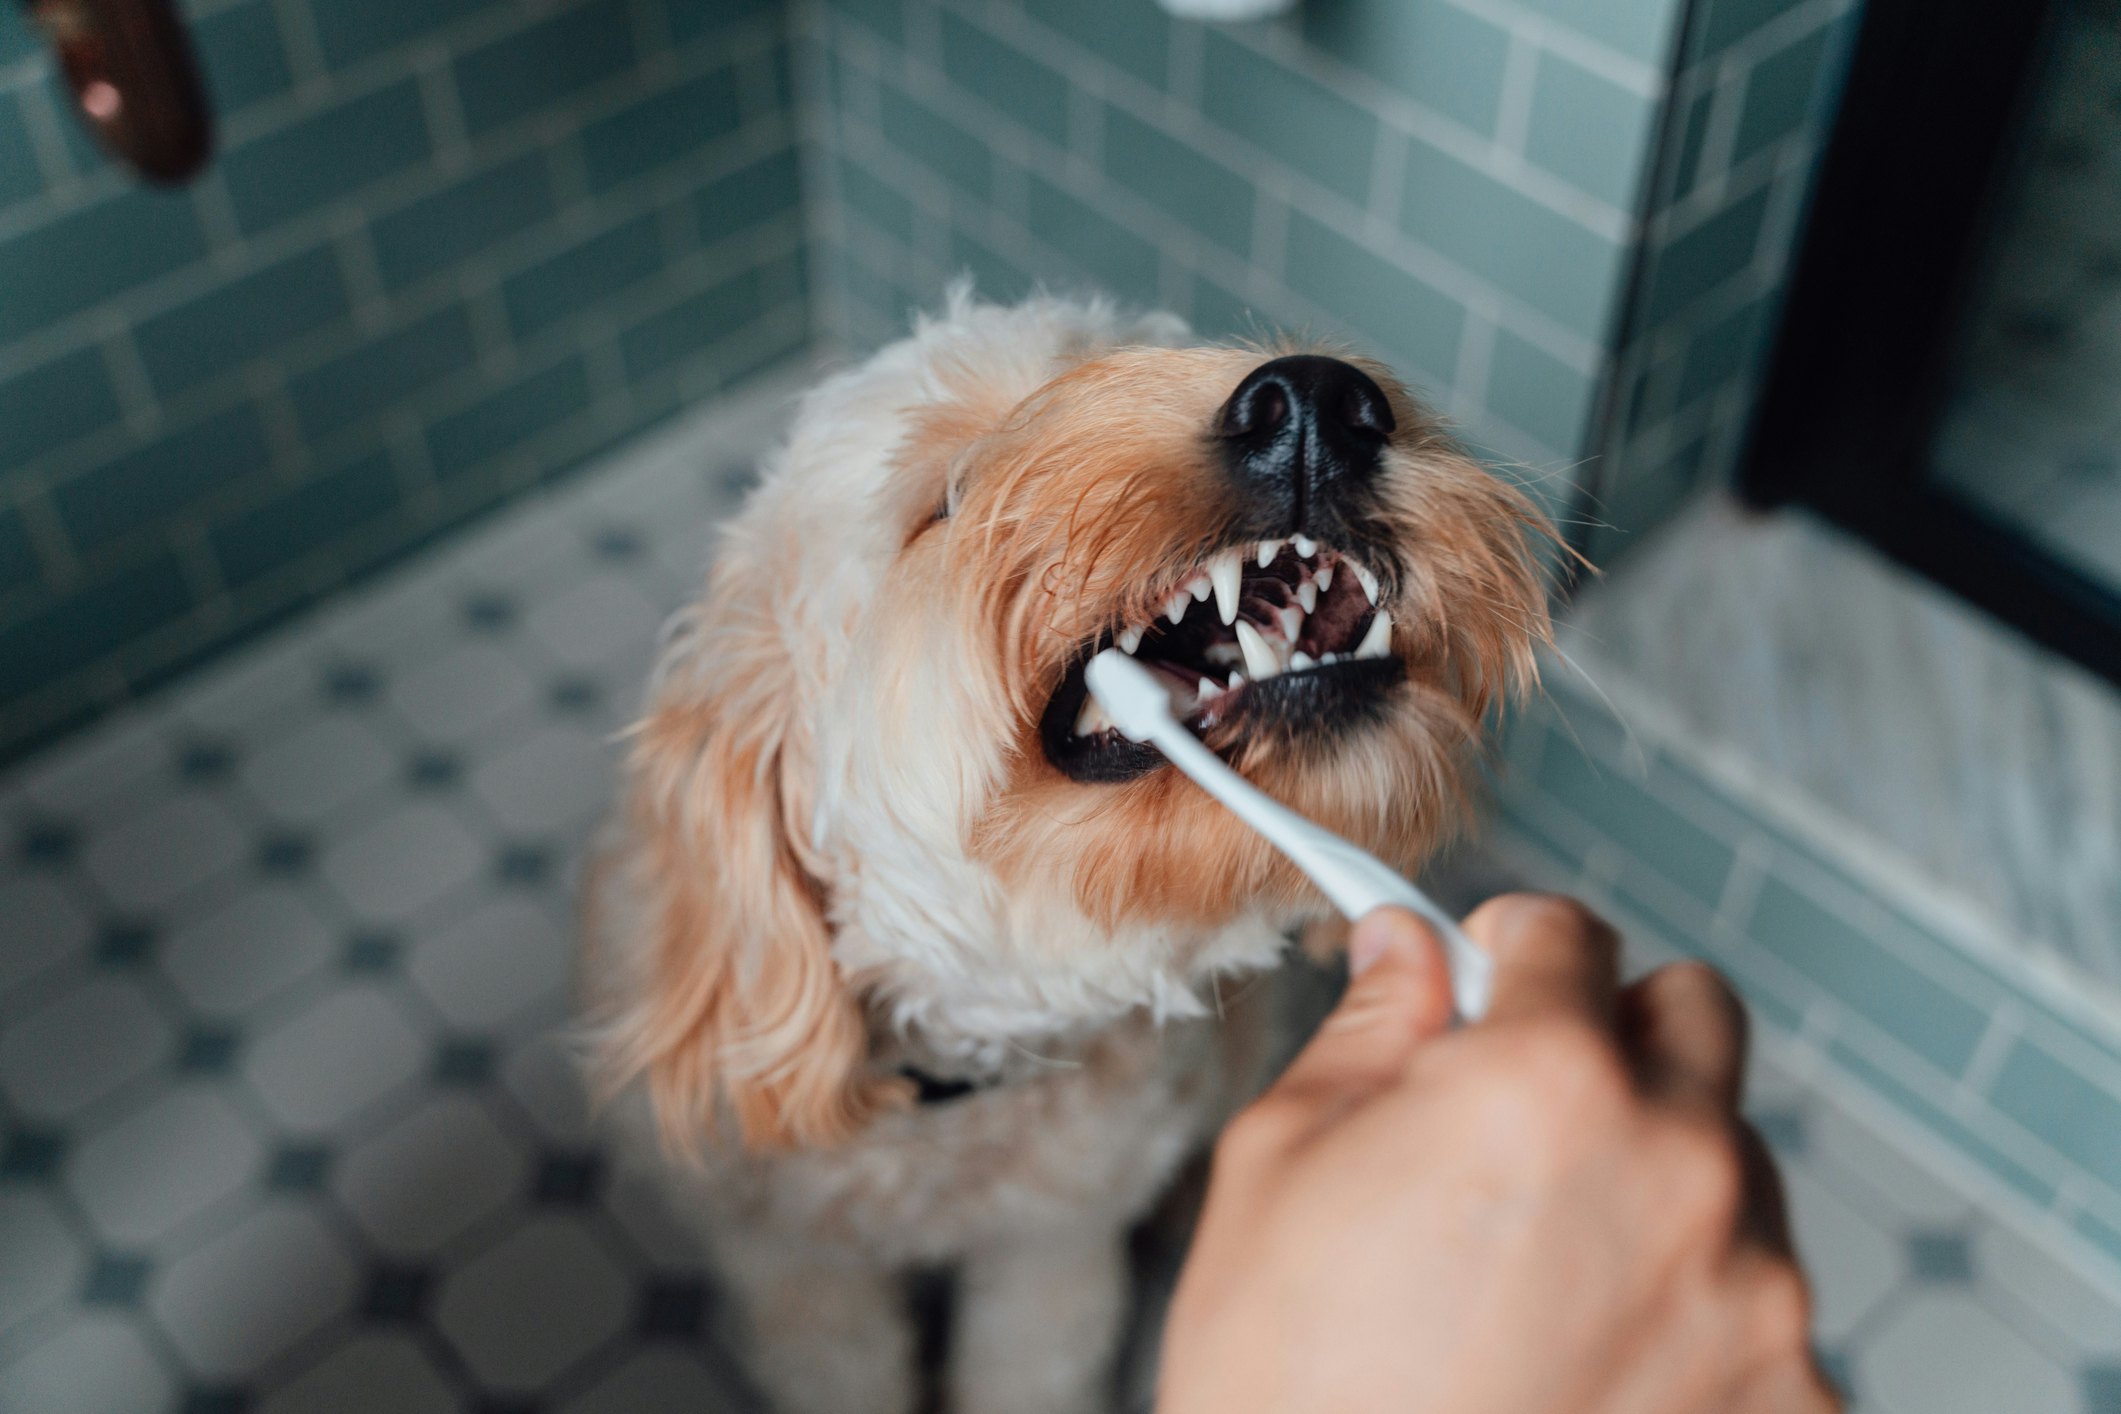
column 1365, row 578
column 1227, row 572
column 1324, row 575
column 1305, row 546
column 1300, row 660
column 1261, row 661
column 1175, row 607
column 1268, row 549
column 1129, row 640
column 1307, row 595
column 1377, row 642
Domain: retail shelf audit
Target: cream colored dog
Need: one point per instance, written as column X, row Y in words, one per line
column 907, row 958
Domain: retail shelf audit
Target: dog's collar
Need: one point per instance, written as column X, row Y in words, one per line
column 941, row 1090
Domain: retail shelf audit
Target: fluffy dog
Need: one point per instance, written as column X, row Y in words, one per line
column 905, row 956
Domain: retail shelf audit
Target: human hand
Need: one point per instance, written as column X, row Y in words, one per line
column 1553, row 1211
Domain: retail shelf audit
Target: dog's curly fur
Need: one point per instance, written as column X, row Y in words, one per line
column 844, row 850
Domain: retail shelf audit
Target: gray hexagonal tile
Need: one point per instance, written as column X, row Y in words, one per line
column 165, row 1162
column 327, row 1062
column 430, row 1176
column 596, row 620
column 44, row 1262
column 44, row 924
column 240, row 1299
column 463, row 693
column 96, row 1364
column 81, row 1046
column 236, row 957
column 493, row 962
column 368, row 1374
column 545, row 1076
column 532, row 1305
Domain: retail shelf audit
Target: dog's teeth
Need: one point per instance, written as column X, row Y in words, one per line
column 1377, row 643
column 1260, row 659
column 1092, row 719
column 1237, row 680
column 1305, row 546
column 1366, row 579
column 1208, row 688
column 1307, row 595
column 1300, row 660
column 1129, row 640
column 1268, row 549
column 1200, row 587
column 1292, row 622
column 1324, row 575
column 1175, row 607
column 1227, row 572
column 1330, row 659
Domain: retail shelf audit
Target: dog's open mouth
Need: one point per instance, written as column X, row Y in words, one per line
column 1286, row 636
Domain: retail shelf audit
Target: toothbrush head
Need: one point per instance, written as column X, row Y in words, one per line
column 1132, row 696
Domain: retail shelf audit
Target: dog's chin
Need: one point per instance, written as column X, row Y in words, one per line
column 1285, row 644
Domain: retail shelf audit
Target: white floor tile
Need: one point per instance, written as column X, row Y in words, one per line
column 557, row 779
column 430, row 1176
column 455, row 698
column 2051, row 1292
column 321, row 1066
column 316, row 768
column 44, row 924
column 45, row 1261
column 1853, row 1264
column 167, row 1161
column 242, row 1298
column 533, row 1304
column 99, row 1364
column 500, row 958
column 369, row 1374
column 601, row 620
column 262, row 941
column 404, row 861
column 1942, row 1351
column 171, row 845
column 81, row 1046
column 656, row 1381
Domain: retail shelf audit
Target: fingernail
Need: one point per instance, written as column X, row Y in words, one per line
column 1366, row 947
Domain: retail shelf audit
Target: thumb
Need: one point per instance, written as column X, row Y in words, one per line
column 1398, row 997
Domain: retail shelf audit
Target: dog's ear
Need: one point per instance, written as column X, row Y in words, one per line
column 738, row 1001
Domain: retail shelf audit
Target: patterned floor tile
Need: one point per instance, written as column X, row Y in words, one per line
column 535, row 1303
column 246, row 1295
column 167, row 1161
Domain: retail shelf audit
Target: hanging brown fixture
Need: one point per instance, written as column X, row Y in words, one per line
column 135, row 83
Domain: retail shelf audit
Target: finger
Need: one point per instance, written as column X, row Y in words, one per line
column 1551, row 954
column 1399, row 997
column 1684, row 1030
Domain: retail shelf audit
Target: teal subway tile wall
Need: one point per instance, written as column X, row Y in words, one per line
column 1449, row 183
column 448, row 250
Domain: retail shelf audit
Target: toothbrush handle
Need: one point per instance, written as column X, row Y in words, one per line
column 1355, row 880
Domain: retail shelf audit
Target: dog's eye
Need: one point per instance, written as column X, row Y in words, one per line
column 941, row 512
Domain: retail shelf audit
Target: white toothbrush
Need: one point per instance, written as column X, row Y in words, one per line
column 1355, row 880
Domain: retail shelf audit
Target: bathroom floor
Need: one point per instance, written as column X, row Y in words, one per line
column 288, row 1124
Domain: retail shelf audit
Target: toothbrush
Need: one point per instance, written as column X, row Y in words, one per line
column 1355, row 880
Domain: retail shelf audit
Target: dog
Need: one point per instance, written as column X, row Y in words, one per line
column 896, row 949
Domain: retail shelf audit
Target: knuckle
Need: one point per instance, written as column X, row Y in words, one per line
column 1709, row 1169
column 1262, row 1130
column 1575, row 1058
column 1781, row 1310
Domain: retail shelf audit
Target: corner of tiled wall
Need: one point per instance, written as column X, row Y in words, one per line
column 447, row 250
column 1448, row 183
column 1751, row 102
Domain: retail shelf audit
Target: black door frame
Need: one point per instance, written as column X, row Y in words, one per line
column 1939, row 93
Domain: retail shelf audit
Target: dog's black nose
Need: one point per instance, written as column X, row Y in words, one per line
column 1298, row 426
